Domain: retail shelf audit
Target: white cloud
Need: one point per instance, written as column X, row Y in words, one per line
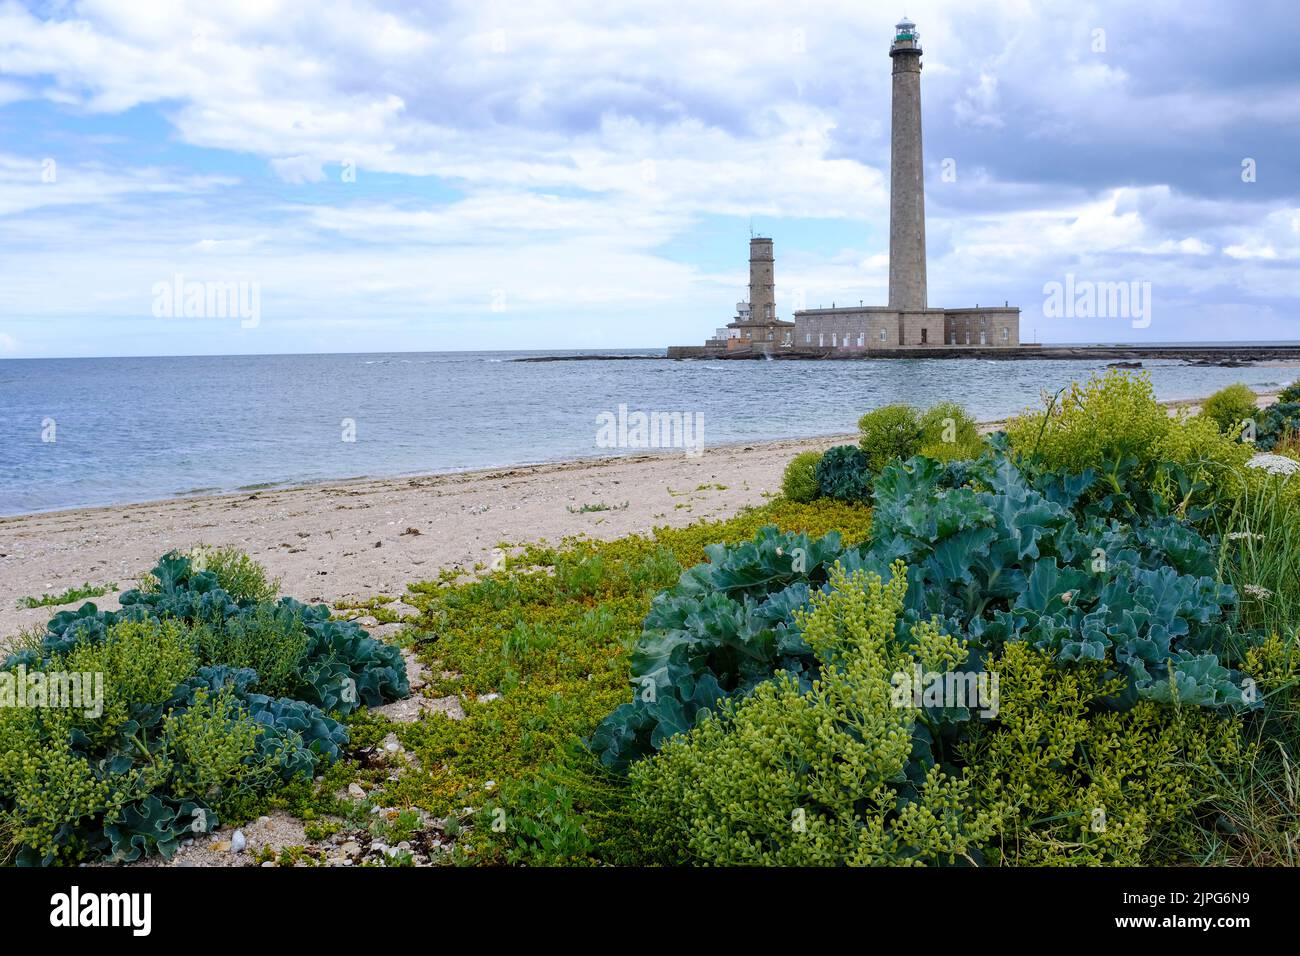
column 571, row 152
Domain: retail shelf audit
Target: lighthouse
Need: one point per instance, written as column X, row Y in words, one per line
column 906, row 175
column 907, row 326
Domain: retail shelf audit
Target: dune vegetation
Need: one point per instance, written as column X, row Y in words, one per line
column 1071, row 642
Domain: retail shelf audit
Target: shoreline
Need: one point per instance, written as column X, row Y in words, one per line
column 359, row 538
column 487, row 471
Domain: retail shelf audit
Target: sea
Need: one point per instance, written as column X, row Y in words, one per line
column 104, row 431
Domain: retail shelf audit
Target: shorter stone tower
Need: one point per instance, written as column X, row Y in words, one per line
column 762, row 284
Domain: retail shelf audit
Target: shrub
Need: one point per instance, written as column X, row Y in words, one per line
column 1074, row 782
column 342, row 668
column 1278, row 425
column 800, row 480
column 843, row 474
column 1080, row 566
column 825, row 775
column 1113, row 425
column 180, row 738
column 891, row 432
column 1107, row 418
column 1001, row 556
column 270, row 639
column 140, row 776
column 721, row 631
column 1229, row 407
column 214, row 748
column 237, row 574
column 948, row 433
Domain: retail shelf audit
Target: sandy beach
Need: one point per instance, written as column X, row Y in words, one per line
column 353, row 540
column 359, row 539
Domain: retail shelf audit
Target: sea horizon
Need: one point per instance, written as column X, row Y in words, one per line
column 623, row 350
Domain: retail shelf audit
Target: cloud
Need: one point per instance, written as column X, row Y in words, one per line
column 584, row 157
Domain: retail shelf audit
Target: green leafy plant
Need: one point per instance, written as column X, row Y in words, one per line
column 213, row 747
column 843, row 474
column 237, row 574
column 891, row 432
column 721, row 631
column 343, row 667
column 1113, row 426
column 1278, row 425
column 175, row 737
column 1230, row 406
column 1085, row 567
column 948, row 433
column 66, row 597
column 799, row 483
column 1000, row 556
column 555, row 692
column 268, row 638
column 536, row 823
column 598, row 506
column 1073, row 781
column 829, row 774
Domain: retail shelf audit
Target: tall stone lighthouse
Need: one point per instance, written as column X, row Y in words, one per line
column 906, row 175
column 907, row 325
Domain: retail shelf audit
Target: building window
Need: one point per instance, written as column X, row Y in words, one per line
column 835, row 339
column 807, row 338
column 821, row 340
column 861, row 341
column 925, row 335
column 767, row 311
column 1006, row 335
column 882, row 335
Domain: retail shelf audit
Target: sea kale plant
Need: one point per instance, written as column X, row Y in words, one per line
column 181, row 734
column 828, row 774
column 1280, row 421
column 999, row 557
column 1085, row 567
column 338, row 666
column 722, row 630
column 844, row 474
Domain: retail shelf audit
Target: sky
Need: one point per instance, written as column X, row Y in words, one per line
column 369, row 176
